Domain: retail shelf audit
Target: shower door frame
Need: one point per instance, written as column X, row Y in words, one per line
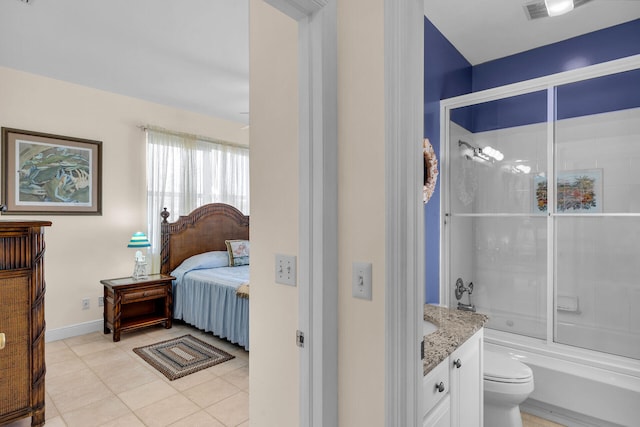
column 547, row 83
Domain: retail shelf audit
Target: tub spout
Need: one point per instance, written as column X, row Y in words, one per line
column 466, row 307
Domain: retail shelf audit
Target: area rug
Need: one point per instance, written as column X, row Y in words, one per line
column 182, row 356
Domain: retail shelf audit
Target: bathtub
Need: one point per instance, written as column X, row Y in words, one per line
column 575, row 387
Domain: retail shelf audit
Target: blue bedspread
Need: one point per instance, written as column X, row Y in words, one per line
column 206, row 299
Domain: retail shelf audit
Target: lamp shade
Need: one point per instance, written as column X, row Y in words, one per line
column 139, row 240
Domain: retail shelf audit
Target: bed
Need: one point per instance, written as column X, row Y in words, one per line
column 208, row 292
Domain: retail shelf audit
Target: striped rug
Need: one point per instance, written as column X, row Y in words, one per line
column 182, row 356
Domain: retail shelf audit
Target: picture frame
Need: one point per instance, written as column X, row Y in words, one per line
column 50, row 174
column 577, row 191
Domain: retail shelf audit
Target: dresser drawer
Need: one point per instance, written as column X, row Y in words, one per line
column 435, row 386
column 143, row 294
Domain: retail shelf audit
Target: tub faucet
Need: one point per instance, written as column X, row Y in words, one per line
column 460, row 290
column 466, row 307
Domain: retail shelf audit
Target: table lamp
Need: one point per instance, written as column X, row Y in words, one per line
column 139, row 240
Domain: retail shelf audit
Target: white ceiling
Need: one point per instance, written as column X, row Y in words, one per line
column 194, row 54
column 483, row 30
column 190, row 54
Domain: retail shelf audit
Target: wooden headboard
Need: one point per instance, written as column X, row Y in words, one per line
column 203, row 230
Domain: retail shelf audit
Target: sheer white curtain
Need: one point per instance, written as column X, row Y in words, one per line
column 185, row 172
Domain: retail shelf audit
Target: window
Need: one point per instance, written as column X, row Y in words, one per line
column 185, row 172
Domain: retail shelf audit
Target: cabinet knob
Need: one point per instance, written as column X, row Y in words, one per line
column 457, row 363
column 3, row 340
column 440, row 387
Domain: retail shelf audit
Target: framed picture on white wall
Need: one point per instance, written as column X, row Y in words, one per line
column 50, row 174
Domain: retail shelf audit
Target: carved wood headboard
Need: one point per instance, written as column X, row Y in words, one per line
column 203, row 230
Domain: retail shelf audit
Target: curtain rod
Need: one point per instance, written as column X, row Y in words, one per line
column 191, row 135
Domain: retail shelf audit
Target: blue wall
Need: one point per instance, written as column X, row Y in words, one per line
column 600, row 46
column 448, row 74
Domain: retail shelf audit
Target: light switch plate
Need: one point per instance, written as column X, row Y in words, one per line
column 286, row 272
column 361, row 280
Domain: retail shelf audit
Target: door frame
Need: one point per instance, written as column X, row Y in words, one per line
column 318, row 201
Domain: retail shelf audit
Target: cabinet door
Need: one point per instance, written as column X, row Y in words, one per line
column 440, row 416
column 15, row 374
column 466, row 383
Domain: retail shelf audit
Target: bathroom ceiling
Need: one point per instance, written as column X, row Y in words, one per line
column 490, row 29
column 193, row 54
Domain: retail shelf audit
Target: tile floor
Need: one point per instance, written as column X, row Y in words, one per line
column 529, row 420
column 92, row 381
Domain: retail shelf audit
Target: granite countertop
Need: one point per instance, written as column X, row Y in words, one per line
column 454, row 328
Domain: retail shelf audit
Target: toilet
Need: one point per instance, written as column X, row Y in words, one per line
column 507, row 383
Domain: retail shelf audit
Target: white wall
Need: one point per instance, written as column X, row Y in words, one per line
column 82, row 250
column 361, row 198
column 274, row 362
column 361, row 209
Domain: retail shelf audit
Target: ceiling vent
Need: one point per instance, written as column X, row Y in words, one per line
column 537, row 9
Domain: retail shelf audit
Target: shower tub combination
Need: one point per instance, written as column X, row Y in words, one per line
column 553, row 266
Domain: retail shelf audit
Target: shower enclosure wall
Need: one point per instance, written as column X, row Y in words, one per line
column 541, row 211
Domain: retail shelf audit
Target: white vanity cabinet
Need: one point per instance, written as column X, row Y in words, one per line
column 467, row 383
column 437, row 400
column 453, row 392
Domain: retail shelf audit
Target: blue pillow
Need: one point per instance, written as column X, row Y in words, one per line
column 214, row 259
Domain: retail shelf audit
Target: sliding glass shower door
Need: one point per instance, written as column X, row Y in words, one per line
column 559, row 262
column 597, row 214
column 498, row 239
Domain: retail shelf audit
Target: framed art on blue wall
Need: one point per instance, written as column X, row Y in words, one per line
column 50, row 174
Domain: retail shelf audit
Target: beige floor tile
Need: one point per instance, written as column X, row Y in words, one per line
column 84, row 339
column 75, row 391
column 23, row 422
column 91, row 347
column 147, row 394
column 61, row 355
column 56, row 422
column 55, row 346
column 192, row 380
column 210, row 392
column 228, row 366
column 50, row 409
column 128, row 342
column 56, row 385
column 168, row 411
column 199, row 419
column 64, row 368
column 125, row 377
column 110, row 356
column 239, row 378
column 233, row 410
column 96, row 413
column 529, row 420
column 244, row 424
column 92, row 381
column 130, row 420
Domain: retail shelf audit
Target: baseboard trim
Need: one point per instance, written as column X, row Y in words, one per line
column 562, row 416
column 73, row 330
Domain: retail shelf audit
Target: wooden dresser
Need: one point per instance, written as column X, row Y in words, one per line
column 22, row 286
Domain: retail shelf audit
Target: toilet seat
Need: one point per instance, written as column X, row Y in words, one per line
column 502, row 369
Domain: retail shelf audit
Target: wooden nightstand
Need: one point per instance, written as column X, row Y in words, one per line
column 131, row 304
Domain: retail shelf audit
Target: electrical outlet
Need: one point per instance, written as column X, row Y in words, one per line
column 100, row 301
column 86, row 302
column 286, row 270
